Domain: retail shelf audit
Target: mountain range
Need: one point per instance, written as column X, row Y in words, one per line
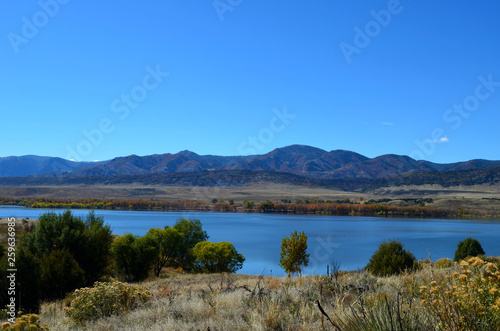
column 301, row 160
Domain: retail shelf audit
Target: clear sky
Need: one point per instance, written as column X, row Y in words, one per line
column 92, row 80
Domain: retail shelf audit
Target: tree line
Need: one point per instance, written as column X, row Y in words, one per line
column 317, row 207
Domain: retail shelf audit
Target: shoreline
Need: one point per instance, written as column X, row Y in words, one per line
column 241, row 210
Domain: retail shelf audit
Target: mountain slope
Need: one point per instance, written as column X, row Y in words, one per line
column 31, row 165
column 300, row 160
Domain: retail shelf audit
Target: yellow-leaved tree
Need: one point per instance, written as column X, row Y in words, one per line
column 294, row 253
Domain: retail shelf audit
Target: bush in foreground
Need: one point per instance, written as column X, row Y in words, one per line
column 391, row 258
column 465, row 300
column 105, row 299
column 25, row 322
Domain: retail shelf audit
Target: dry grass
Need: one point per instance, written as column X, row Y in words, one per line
column 21, row 226
column 356, row 301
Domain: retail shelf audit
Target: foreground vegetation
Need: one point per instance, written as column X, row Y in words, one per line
column 439, row 296
column 383, row 207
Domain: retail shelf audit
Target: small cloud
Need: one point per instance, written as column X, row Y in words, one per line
column 96, row 160
column 387, row 123
column 72, row 160
column 444, row 140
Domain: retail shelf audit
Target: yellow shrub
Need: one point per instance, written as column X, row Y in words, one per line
column 105, row 299
column 468, row 299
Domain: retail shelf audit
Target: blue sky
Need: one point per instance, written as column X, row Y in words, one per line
column 93, row 80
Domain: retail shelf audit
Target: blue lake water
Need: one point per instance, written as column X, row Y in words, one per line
column 350, row 240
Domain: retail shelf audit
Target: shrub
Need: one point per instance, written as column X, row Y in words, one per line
column 469, row 300
column 105, row 299
column 294, row 253
column 444, row 263
column 390, row 258
column 25, row 322
column 218, row 257
column 468, row 247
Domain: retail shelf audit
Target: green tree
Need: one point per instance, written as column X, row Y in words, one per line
column 133, row 257
column 192, row 233
column 294, row 253
column 82, row 244
column 217, row 257
column 167, row 243
column 248, row 204
column 28, row 277
column 88, row 241
column 390, row 258
column 468, row 247
column 60, row 274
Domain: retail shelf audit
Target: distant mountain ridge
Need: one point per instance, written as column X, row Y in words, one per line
column 299, row 160
column 32, row 165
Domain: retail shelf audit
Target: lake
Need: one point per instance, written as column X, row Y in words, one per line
column 350, row 240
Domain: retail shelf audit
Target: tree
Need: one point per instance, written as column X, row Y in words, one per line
column 390, row 258
column 248, row 204
column 60, row 274
column 218, row 257
column 88, row 241
column 133, row 257
column 28, row 277
column 468, row 247
column 62, row 253
column 192, row 233
column 294, row 253
column 167, row 243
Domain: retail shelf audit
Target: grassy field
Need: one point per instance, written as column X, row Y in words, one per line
column 484, row 197
column 446, row 296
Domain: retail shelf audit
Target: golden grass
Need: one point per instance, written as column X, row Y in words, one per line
column 356, row 301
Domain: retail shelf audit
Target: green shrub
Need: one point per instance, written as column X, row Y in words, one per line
column 105, row 299
column 468, row 247
column 391, row 258
column 443, row 263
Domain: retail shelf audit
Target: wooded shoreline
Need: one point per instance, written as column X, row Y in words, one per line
column 316, row 207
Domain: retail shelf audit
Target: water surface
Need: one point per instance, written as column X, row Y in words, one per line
column 350, row 240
